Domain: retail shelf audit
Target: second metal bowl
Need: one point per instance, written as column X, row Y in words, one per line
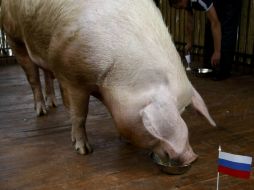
column 202, row 72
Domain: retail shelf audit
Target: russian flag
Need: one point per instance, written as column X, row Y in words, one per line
column 234, row 165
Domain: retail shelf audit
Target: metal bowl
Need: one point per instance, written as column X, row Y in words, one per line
column 170, row 167
column 202, row 72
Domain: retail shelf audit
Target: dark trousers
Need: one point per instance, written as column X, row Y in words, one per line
column 228, row 12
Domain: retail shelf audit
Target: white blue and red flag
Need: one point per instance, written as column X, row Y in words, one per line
column 234, row 165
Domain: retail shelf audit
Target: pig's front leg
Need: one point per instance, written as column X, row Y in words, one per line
column 79, row 101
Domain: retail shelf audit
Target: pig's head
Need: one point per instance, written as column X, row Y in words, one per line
column 164, row 123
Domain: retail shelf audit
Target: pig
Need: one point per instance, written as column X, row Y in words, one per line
column 118, row 51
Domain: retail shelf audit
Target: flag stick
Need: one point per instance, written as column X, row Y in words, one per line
column 218, row 181
column 218, row 174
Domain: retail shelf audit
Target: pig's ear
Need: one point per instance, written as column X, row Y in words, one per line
column 163, row 121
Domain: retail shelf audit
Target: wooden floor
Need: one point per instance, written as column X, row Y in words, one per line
column 36, row 153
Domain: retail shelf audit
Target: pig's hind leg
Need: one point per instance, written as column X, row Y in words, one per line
column 32, row 74
column 49, row 89
column 79, row 101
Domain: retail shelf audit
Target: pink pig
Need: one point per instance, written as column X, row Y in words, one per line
column 121, row 52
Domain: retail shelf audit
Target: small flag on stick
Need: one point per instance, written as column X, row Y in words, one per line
column 234, row 165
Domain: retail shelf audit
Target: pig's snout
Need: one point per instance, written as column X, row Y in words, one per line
column 187, row 157
column 175, row 166
column 171, row 158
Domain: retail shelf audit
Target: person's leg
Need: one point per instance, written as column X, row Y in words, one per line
column 229, row 18
column 208, row 46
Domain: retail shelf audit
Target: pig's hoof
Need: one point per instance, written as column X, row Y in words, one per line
column 83, row 148
column 51, row 101
column 41, row 109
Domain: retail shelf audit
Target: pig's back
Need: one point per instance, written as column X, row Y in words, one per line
column 139, row 52
column 134, row 41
